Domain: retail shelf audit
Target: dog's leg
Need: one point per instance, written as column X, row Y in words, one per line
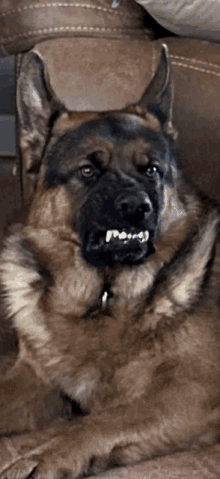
column 127, row 434
column 26, row 403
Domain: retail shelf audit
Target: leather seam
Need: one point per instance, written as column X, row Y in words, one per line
column 66, row 5
column 79, row 28
column 203, row 70
column 193, row 60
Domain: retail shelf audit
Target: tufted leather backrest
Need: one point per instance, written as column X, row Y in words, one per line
column 23, row 23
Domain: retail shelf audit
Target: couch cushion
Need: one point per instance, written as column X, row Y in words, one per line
column 23, row 23
column 200, row 19
column 196, row 74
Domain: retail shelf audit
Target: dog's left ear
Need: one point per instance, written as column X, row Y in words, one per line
column 37, row 107
column 158, row 97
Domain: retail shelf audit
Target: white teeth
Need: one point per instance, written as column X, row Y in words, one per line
column 146, row 235
column 142, row 236
column 123, row 235
column 108, row 236
column 112, row 233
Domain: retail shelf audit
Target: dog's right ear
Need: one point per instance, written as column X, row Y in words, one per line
column 158, row 97
column 37, row 107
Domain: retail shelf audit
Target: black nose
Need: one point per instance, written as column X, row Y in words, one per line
column 138, row 205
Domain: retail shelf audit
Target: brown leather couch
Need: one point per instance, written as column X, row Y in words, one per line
column 100, row 55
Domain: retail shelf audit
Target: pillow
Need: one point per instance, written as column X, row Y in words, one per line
column 199, row 18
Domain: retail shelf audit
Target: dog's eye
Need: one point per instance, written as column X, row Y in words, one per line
column 87, row 171
column 151, row 171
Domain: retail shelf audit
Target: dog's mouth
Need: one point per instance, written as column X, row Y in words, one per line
column 118, row 246
column 117, row 237
column 118, row 228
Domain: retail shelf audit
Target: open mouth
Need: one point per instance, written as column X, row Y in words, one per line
column 115, row 236
column 123, row 246
column 114, row 239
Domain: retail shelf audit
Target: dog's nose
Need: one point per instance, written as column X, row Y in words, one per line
column 134, row 204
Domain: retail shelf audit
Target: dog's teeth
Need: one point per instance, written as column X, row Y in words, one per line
column 111, row 234
column 142, row 236
column 146, row 235
column 108, row 236
column 122, row 235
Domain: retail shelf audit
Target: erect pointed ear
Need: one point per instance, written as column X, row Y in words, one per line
column 37, row 107
column 158, row 97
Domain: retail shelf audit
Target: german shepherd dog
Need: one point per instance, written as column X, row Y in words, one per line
column 112, row 285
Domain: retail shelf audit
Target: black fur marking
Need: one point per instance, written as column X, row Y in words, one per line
column 104, row 210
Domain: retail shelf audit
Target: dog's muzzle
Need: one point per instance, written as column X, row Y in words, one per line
column 117, row 229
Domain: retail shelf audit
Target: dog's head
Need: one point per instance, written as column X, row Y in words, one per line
column 112, row 165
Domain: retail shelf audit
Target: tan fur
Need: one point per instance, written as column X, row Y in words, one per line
column 141, row 116
column 72, row 118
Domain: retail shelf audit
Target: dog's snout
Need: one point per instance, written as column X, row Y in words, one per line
column 134, row 204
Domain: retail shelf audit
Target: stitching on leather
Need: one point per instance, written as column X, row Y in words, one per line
column 195, row 61
column 79, row 28
column 65, row 5
column 203, row 70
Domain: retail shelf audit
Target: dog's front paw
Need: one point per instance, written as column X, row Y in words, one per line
column 65, row 459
